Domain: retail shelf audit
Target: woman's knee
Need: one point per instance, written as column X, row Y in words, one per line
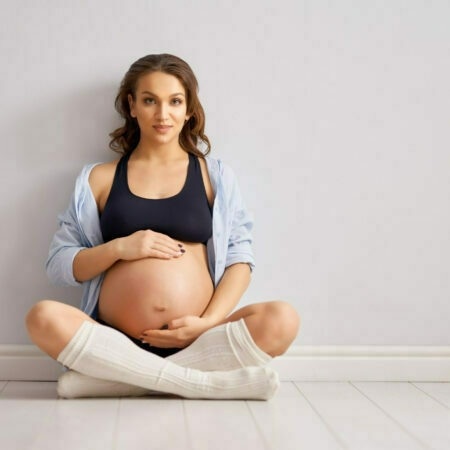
column 52, row 324
column 46, row 312
column 282, row 319
column 39, row 313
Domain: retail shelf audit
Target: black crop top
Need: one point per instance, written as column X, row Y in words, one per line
column 185, row 216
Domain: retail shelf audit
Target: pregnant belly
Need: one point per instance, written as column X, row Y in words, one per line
column 147, row 293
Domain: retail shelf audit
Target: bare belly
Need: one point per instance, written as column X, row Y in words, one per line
column 147, row 293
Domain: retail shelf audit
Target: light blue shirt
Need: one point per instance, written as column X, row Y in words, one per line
column 79, row 228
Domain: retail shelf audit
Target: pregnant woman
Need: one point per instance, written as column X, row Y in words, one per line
column 160, row 240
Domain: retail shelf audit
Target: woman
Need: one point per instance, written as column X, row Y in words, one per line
column 160, row 238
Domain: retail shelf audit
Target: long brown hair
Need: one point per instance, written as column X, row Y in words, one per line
column 126, row 138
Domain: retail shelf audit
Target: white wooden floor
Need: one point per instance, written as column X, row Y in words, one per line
column 302, row 415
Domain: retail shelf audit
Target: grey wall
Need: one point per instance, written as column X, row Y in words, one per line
column 334, row 116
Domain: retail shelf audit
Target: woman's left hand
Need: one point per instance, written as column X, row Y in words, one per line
column 180, row 333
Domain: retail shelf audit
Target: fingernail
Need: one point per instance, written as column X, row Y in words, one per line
column 183, row 251
column 180, row 245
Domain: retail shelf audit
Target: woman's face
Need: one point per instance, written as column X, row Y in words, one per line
column 160, row 100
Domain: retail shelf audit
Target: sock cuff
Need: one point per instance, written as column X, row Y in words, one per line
column 73, row 349
column 245, row 340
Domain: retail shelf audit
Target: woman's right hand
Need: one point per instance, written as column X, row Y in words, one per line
column 148, row 244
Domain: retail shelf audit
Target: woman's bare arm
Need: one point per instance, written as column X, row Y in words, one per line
column 90, row 262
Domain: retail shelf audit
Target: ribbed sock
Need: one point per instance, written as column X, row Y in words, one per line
column 104, row 353
column 225, row 347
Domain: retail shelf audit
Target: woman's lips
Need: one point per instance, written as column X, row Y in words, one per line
column 162, row 129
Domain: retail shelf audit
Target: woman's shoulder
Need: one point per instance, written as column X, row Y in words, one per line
column 100, row 177
column 94, row 177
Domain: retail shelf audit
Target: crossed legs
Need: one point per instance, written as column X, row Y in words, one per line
column 226, row 346
column 272, row 325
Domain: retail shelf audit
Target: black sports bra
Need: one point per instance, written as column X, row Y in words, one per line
column 185, row 216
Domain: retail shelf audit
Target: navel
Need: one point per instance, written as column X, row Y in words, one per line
column 160, row 308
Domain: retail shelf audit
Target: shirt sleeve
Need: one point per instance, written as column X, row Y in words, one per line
column 240, row 240
column 65, row 245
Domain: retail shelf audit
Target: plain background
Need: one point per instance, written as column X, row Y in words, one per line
column 334, row 116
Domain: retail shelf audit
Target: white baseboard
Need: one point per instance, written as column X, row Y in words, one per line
column 299, row 363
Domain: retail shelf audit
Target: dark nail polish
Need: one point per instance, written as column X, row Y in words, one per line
column 180, row 245
column 183, row 251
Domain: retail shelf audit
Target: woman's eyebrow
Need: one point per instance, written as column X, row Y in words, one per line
column 151, row 93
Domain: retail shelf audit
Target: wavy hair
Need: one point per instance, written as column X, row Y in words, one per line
column 126, row 138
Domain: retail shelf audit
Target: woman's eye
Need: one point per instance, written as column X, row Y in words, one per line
column 177, row 99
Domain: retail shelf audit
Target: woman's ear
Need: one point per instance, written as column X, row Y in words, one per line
column 130, row 102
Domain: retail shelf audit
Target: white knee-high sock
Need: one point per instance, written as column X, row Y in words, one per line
column 225, row 347
column 102, row 352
